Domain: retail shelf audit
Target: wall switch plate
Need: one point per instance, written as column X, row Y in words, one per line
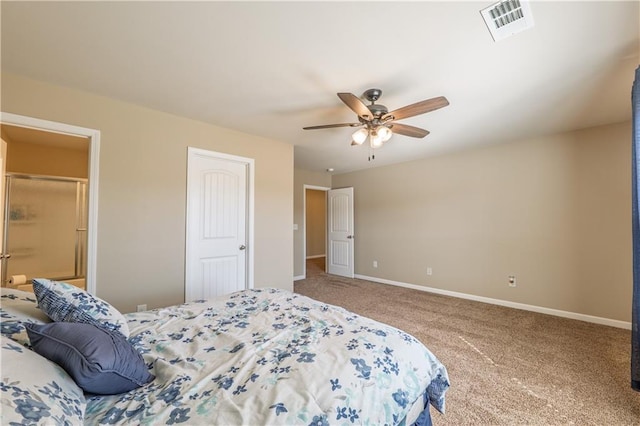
column 375, row 263
column 429, row 271
column 295, row 226
column 141, row 308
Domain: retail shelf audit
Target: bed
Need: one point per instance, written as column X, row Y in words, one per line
column 261, row 356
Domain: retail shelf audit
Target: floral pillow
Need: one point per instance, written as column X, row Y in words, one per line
column 67, row 303
column 35, row 391
column 16, row 308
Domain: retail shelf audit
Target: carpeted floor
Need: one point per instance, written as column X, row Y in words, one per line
column 506, row 366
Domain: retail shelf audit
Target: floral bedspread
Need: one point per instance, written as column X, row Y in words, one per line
column 271, row 357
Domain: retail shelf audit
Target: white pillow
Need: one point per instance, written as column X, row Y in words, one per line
column 36, row 390
column 18, row 307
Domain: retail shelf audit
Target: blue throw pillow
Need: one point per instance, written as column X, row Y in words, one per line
column 100, row 361
column 68, row 303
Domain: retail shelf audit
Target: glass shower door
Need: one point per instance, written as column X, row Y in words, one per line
column 45, row 227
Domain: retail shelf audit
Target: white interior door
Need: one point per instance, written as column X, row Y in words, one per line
column 341, row 237
column 217, row 224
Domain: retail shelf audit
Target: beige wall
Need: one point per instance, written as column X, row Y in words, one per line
column 554, row 211
column 142, row 190
column 46, row 160
column 316, row 225
column 301, row 178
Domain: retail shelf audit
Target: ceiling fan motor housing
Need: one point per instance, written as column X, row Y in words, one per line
column 377, row 110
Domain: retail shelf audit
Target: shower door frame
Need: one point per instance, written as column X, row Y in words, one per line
column 79, row 267
column 93, row 137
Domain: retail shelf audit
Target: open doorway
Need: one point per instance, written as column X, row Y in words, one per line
column 315, row 229
column 51, row 173
column 45, row 199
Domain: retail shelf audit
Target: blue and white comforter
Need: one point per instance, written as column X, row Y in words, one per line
column 272, row 357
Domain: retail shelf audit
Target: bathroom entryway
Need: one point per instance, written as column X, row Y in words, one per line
column 45, row 201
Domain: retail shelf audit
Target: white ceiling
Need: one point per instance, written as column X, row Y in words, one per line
column 271, row 68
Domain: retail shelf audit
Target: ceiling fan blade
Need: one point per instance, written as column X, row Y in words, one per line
column 359, row 107
column 417, row 108
column 406, row 130
column 329, row 126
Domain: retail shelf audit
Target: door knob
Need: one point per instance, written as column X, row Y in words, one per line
column 242, row 247
column 350, row 237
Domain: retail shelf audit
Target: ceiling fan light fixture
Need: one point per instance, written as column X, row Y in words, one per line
column 359, row 136
column 384, row 132
column 375, row 140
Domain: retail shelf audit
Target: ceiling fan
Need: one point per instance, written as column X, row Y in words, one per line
column 378, row 123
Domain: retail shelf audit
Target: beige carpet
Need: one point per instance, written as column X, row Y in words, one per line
column 506, row 366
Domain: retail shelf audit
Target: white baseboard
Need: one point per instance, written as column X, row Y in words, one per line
column 516, row 305
column 299, row 277
column 316, row 256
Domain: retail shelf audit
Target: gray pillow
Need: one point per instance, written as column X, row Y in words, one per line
column 100, row 361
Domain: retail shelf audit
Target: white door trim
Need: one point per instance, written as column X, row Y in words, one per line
column 304, row 224
column 250, row 162
column 3, row 170
column 94, row 161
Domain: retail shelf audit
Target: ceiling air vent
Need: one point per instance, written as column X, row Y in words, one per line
column 507, row 18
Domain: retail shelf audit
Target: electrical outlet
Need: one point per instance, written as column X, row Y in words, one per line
column 375, row 263
column 512, row 280
column 141, row 308
column 429, row 270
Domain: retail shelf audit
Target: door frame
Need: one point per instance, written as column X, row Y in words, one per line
column 93, row 137
column 250, row 163
column 304, row 224
column 3, row 194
